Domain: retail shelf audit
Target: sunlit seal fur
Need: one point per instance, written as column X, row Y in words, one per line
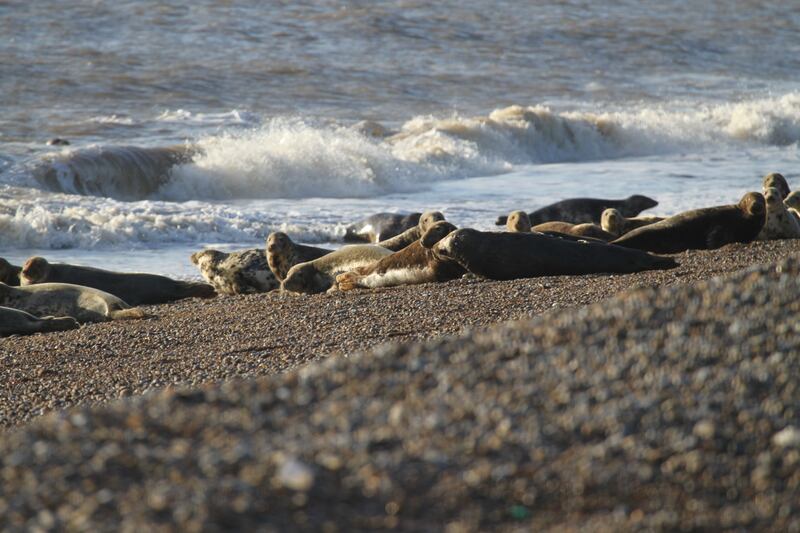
column 778, row 181
column 320, row 274
column 283, row 253
column 615, row 223
column 242, row 272
column 380, row 226
column 581, row 210
column 576, row 230
column 84, row 304
column 16, row 322
column 507, row 255
column 701, row 229
column 792, row 203
column 9, row 274
column 414, row 264
column 411, row 235
column 133, row 288
column 518, row 222
column 780, row 223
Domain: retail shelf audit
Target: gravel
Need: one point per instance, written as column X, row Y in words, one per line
column 673, row 407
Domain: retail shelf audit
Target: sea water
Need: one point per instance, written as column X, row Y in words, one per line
column 212, row 124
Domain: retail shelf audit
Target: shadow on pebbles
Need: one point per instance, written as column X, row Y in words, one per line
column 670, row 408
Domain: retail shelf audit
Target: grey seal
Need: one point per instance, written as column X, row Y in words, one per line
column 380, row 226
column 9, row 274
column 411, row 235
column 16, row 322
column 241, row 272
column 780, row 223
column 618, row 225
column 776, row 180
column 320, row 274
column 283, row 253
column 581, row 210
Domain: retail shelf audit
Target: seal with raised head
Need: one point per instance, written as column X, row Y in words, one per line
column 780, row 223
column 242, row 272
column 518, row 222
column 615, row 223
column 701, row 229
column 84, row 304
column 320, row 274
column 283, row 253
column 411, row 235
column 380, row 226
column 507, row 255
column 777, row 181
column 9, row 274
column 792, row 203
column 132, row 287
column 16, row 322
column 414, row 264
column 576, row 230
column 580, row 210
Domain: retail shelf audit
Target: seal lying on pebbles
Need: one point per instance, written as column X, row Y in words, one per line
column 411, row 235
column 283, row 253
column 84, row 304
column 414, row 264
column 701, row 229
column 380, row 226
column 242, row 272
column 580, row 210
column 615, row 223
column 320, row 274
column 780, row 223
column 9, row 274
column 778, row 181
column 134, row 288
column 506, row 255
column 16, row 322
column 576, row 230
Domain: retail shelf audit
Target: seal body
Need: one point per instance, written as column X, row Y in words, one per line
column 701, row 229
column 414, row 264
column 133, row 288
column 380, row 226
column 780, row 223
column 576, row 230
column 242, row 272
column 508, row 255
column 777, row 181
column 320, row 274
column 283, row 254
column 615, row 223
column 9, row 274
column 16, row 322
column 583, row 210
column 84, row 304
column 411, row 235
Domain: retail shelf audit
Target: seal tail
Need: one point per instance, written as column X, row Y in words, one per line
column 501, row 221
column 133, row 313
column 60, row 323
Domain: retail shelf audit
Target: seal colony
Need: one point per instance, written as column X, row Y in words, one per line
column 572, row 237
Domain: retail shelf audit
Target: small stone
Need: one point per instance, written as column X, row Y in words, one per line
column 787, row 437
column 295, row 475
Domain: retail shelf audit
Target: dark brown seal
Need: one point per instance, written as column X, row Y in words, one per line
column 411, row 235
column 701, row 229
column 580, row 210
column 9, row 274
column 380, row 226
column 506, row 255
column 414, row 264
column 283, row 253
column 134, row 288
column 778, row 181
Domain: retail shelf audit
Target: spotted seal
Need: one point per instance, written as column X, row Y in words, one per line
column 615, row 223
column 507, row 255
column 411, row 235
column 380, row 226
column 701, row 229
column 133, row 288
column 320, row 274
column 241, row 272
column 777, row 181
column 16, row 322
column 580, row 210
column 9, row 274
column 283, row 253
column 414, row 264
column 84, row 304
column 780, row 223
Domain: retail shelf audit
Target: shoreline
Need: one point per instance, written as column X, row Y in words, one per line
column 193, row 342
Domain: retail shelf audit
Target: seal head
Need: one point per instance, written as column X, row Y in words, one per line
column 518, row 221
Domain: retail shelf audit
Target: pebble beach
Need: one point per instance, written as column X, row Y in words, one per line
column 658, row 400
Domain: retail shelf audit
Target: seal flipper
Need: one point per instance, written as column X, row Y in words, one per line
column 133, row 313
